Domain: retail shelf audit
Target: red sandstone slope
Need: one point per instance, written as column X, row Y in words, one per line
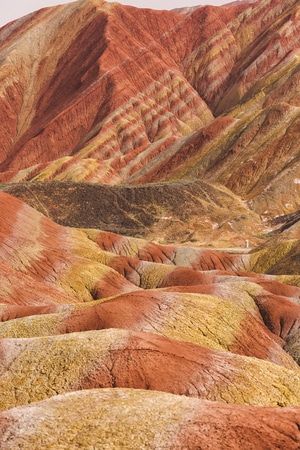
column 210, row 93
column 105, row 78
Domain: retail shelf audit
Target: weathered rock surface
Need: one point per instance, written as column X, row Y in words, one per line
column 293, row 345
column 31, row 369
column 182, row 320
column 165, row 212
column 210, row 93
column 149, row 227
column 221, row 325
column 140, row 419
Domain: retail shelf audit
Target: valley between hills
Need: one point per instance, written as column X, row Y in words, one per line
column 150, row 227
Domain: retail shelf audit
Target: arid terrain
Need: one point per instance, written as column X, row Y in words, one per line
column 150, row 227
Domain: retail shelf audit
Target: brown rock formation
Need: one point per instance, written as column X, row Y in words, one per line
column 210, row 334
column 165, row 212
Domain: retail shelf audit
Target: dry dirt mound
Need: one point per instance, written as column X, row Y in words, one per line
column 110, row 311
column 31, row 369
column 142, row 420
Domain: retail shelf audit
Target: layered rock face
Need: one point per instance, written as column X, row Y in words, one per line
column 149, row 228
column 107, row 93
column 121, row 321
